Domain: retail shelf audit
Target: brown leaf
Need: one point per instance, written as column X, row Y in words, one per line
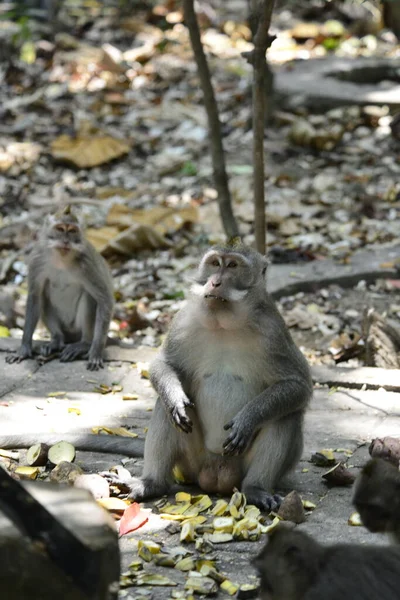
column 85, row 151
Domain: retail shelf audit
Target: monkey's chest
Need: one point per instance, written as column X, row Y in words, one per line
column 225, row 381
column 65, row 295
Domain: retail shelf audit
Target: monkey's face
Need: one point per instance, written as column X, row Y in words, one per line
column 376, row 494
column 375, row 518
column 225, row 277
column 65, row 236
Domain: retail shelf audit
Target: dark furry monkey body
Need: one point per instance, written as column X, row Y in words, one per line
column 293, row 566
column 232, row 387
column 377, row 497
column 70, row 289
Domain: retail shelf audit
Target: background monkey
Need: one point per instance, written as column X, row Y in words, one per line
column 293, row 566
column 80, row 439
column 233, row 383
column 377, row 497
column 70, row 288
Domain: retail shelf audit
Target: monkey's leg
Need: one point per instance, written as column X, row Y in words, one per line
column 275, row 451
column 95, row 329
column 52, row 321
column 165, row 446
column 31, row 319
column 84, row 323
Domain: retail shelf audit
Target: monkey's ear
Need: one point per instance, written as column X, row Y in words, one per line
column 265, row 263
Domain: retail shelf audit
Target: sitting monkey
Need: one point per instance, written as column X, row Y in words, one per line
column 70, row 289
column 232, row 387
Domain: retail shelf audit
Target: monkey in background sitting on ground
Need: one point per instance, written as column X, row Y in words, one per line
column 293, row 566
column 70, row 289
column 232, row 387
column 377, row 497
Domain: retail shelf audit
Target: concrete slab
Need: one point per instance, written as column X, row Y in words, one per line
column 330, row 82
column 337, row 418
column 368, row 265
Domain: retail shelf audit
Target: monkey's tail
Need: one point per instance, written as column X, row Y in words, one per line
column 114, row 444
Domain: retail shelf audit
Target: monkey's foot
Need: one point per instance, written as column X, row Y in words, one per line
column 143, row 489
column 94, row 364
column 265, row 501
column 74, row 351
column 51, row 348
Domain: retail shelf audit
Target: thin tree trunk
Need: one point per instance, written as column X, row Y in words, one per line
column 262, row 41
column 214, row 125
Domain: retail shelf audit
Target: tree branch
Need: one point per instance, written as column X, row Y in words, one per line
column 262, row 41
column 214, row 125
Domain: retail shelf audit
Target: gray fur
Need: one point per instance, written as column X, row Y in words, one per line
column 81, row 440
column 70, row 289
column 231, row 380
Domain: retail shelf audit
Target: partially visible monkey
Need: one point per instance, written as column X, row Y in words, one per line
column 293, row 566
column 232, row 387
column 377, row 497
column 82, row 440
column 70, row 288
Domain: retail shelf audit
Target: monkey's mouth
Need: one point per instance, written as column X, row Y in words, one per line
column 208, row 296
column 63, row 250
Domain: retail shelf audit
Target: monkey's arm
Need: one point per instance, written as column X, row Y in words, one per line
column 113, row 444
column 289, row 391
column 167, row 384
column 32, row 314
column 98, row 283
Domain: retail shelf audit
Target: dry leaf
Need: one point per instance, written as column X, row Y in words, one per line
column 163, row 219
column 113, row 504
column 27, row 472
column 355, row 520
column 114, row 431
column 85, row 151
column 130, row 397
column 136, row 237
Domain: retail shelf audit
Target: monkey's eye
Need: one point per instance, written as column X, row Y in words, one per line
column 215, row 263
column 60, row 228
column 232, row 265
column 72, row 229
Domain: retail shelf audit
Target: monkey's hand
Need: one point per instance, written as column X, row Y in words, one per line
column 21, row 354
column 240, row 436
column 178, row 414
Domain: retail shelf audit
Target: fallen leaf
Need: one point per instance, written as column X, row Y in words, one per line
column 4, row 331
column 163, row 219
column 113, row 504
column 354, row 520
column 27, row 472
column 114, row 431
column 86, row 151
column 130, row 397
column 133, row 518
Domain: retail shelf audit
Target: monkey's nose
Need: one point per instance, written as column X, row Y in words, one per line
column 216, row 283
